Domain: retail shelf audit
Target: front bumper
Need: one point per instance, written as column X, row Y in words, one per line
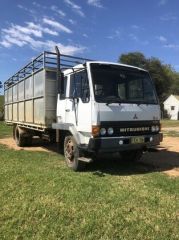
column 113, row 144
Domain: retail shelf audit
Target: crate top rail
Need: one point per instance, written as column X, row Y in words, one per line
column 45, row 60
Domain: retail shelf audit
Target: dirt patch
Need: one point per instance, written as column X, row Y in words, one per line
column 36, row 145
column 171, row 143
column 164, row 159
column 176, row 129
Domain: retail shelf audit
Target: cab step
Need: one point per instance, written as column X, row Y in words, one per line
column 84, row 159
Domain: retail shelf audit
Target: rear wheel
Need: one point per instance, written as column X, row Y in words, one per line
column 28, row 140
column 72, row 154
column 132, row 156
column 19, row 138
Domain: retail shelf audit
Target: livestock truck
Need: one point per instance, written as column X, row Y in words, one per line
column 87, row 107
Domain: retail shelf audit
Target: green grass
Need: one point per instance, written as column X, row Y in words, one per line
column 40, row 198
column 170, row 123
column 171, row 133
column 5, row 131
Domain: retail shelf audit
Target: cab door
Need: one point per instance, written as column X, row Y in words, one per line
column 78, row 104
column 61, row 103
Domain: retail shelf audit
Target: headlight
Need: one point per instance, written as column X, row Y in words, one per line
column 110, row 131
column 102, row 131
column 155, row 128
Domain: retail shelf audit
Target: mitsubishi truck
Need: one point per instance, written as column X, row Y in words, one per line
column 87, row 107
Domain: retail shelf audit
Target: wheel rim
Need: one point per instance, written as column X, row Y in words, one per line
column 69, row 151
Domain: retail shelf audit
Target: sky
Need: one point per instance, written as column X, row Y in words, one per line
column 95, row 29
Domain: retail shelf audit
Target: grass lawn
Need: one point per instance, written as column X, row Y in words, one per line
column 5, row 131
column 170, row 123
column 171, row 133
column 40, row 198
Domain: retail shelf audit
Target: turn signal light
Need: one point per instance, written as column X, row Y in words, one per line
column 95, row 131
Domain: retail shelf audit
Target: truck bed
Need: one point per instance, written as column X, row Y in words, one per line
column 30, row 99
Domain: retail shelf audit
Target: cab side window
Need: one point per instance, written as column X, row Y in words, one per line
column 79, row 86
column 63, row 89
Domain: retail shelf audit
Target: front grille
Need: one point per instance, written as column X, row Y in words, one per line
column 133, row 128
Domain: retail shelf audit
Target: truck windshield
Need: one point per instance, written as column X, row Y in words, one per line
column 113, row 83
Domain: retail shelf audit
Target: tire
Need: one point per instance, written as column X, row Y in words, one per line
column 72, row 153
column 19, row 138
column 28, row 141
column 131, row 156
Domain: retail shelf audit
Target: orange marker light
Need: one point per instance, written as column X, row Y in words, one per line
column 95, row 131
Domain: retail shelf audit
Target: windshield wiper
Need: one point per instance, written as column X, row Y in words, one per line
column 112, row 99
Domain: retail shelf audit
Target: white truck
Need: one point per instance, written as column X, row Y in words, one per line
column 87, row 107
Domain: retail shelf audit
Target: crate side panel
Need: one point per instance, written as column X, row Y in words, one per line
column 51, row 97
column 29, row 111
column 21, row 111
column 10, row 112
column 15, row 112
column 21, row 91
column 14, row 91
column 39, row 84
column 29, row 87
column 9, row 95
column 5, row 97
column 39, row 111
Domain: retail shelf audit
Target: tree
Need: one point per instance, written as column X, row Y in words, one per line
column 135, row 59
column 160, row 74
column 174, row 88
column 1, row 85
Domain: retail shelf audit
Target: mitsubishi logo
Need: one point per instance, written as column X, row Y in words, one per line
column 135, row 116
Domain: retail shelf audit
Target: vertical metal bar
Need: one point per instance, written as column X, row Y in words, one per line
column 33, row 89
column 24, row 103
column 44, row 58
column 18, row 102
column 58, row 70
column 12, row 103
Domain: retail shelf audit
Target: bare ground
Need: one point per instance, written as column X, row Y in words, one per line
column 12, row 144
column 176, row 129
column 164, row 159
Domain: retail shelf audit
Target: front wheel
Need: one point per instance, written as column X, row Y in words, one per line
column 132, row 156
column 72, row 154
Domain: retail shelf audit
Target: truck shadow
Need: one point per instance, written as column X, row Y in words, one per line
column 158, row 161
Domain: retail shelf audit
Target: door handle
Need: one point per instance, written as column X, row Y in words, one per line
column 67, row 110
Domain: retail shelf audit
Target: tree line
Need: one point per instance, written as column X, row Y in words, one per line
column 165, row 78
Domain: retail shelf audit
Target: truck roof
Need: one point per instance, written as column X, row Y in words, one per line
column 82, row 66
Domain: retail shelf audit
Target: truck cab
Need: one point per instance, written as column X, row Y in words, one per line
column 107, row 107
